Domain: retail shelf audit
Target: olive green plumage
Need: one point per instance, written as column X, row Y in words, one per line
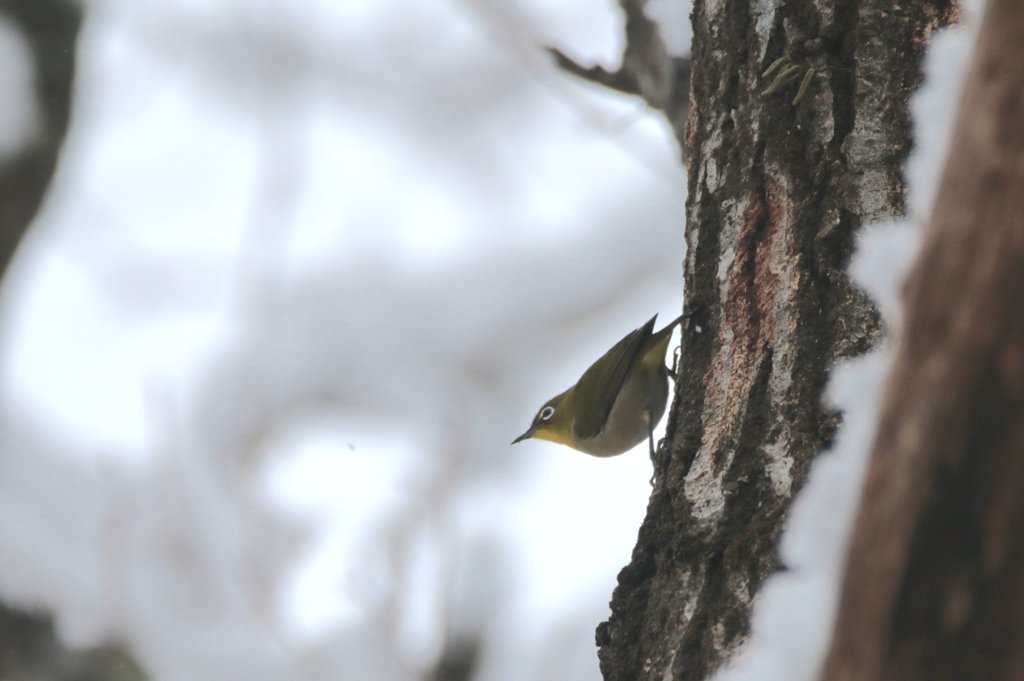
column 617, row 402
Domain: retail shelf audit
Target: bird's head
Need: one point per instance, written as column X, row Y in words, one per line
column 553, row 421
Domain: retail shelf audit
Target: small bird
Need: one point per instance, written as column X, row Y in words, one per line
column 617, row 402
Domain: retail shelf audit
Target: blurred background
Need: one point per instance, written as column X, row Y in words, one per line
column 303, row 272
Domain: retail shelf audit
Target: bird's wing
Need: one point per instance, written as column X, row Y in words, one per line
column 596, row 390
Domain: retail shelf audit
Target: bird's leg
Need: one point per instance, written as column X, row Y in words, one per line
column 650, row 441
column 674, row 371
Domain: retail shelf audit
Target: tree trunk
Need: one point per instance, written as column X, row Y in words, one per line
column 51, row 29
column 934, row 583
column 29, row 649
column 777, row 190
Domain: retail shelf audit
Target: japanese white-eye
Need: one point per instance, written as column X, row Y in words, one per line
column 616, row 403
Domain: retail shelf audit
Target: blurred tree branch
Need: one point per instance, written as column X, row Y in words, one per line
column 776, row 194
column 28, row 646
column 29, row 651
column 51, row 28
column 647, row 69
column 934, row 581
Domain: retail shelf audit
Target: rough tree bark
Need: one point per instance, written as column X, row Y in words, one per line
column 934, row 583
column 777, row 191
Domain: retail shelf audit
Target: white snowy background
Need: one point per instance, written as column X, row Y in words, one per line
column 304, row 272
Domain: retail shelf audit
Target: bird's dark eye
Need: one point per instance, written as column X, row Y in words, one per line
column 546, row 413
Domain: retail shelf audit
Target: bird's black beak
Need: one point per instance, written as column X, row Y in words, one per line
column 525, row 436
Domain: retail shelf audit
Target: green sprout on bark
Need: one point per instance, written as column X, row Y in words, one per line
column 788, row 72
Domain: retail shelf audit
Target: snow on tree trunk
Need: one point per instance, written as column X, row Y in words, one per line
column 777, row 191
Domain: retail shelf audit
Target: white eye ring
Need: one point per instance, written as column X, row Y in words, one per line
column 546, row 413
